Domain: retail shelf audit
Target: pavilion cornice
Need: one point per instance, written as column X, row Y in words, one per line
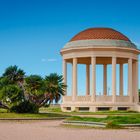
column 101, row 48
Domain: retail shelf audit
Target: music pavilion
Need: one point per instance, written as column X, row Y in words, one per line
column 101, row 46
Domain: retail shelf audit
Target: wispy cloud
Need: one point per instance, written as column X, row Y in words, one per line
column 48, row 60
column 52, row 60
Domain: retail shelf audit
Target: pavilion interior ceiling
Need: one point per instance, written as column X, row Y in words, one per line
column 99, row 60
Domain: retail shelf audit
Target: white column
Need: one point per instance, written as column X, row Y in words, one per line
column 87, row 79
column 93, row 65
column 105, row 79
column 74, row 79
column 113, row 79
column 65, row 73
column 134, row 80
column 130, row 80
column 121, row 79
column 137, row 81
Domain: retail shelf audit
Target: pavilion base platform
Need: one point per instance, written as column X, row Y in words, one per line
column 122, row 104
column 99, row 107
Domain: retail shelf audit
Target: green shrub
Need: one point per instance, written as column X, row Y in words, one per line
column 112, row 124
column 25, row 107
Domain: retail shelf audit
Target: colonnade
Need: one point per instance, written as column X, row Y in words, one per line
column 132, row 79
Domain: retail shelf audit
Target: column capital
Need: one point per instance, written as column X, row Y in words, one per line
column 75, row 58
column 93, row 56
column 129, row 59
column 114, row 56
column 93, row 60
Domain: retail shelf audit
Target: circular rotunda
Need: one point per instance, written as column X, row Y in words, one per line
column 101, row 46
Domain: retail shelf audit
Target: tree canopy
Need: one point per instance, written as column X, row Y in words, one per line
column 18, row 90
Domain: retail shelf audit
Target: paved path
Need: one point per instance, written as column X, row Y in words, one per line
column 51, row 130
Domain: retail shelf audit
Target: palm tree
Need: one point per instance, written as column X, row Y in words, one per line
column 15, row 88
column 55, row 88
column 43, row 92
column 33, row 82
column 34, row 88
column 11, row 86
column 11, row 94
column 14, row 75
column 3, row 106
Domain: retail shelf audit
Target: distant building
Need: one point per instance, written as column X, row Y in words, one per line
column 102, row 46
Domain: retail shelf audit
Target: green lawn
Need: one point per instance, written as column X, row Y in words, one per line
column 4, row 115
column 51, row 109
column 31, row 116
column 115, row 117
column 3, row 110
column 131, row 119
column 126, row 117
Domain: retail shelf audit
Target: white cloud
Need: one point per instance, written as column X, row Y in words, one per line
column 48, row 60
column 52, row 60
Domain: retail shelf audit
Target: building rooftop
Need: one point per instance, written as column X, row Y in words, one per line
column 100, row 33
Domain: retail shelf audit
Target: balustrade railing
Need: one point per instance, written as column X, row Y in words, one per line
column 98, row 98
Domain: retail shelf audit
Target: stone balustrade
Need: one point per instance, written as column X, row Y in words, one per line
column 83, row 98
column 67, row 98
column 122, row 98
column 102, row 98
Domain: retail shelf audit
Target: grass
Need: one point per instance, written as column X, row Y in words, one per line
column 132, row 119
column 113, row 119
column 3, row 110
column 51, row 109
column 31, row 116
column 4, row 115
column 112, row 122
column 127, row 117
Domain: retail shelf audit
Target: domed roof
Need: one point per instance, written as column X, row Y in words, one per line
column 99, row 33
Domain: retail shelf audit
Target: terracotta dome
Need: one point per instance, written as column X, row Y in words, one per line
column 99, row 33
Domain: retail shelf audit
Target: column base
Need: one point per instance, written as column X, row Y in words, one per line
column 114, row 108
column 92, row 109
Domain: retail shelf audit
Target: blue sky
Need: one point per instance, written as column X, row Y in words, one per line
column 32, row 32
